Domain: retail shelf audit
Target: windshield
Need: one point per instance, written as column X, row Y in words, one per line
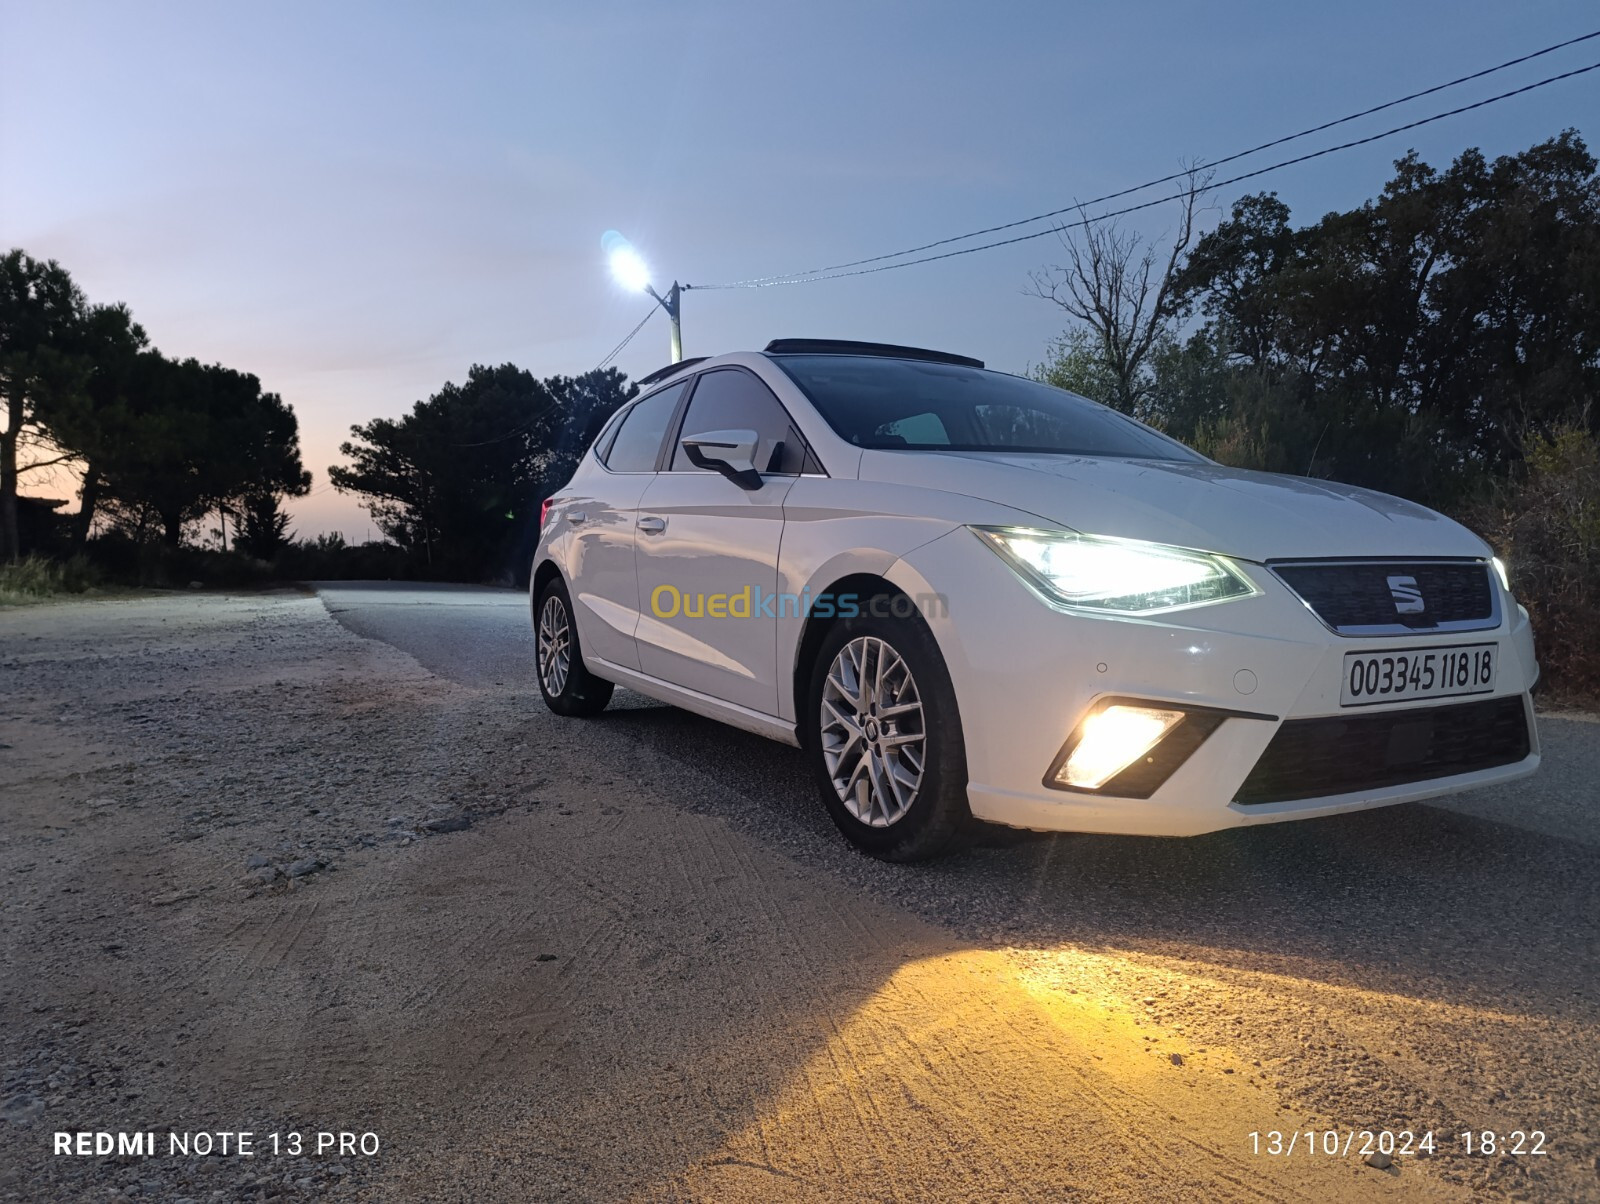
column 921, row 406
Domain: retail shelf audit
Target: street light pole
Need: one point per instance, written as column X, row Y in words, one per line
column 672, row 303
column 633, row 274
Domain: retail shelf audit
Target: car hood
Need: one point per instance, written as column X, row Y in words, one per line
column 1249, row 515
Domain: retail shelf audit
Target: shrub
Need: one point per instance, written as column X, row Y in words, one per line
column 158, row 565
column 1545, row 525
column 329, row 558
column 40, row 577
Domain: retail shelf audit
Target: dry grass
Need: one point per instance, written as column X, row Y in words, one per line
column 38, row 578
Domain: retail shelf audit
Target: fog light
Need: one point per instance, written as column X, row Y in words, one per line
column 1112, row 740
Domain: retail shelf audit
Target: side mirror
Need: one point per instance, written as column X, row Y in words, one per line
column 732, row 453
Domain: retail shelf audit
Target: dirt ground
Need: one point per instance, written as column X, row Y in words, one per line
column 264, row 875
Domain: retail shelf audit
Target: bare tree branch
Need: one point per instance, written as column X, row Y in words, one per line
column 36, row 464
column 1122, row 290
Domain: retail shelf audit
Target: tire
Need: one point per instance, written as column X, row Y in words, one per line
column 888, row 815
column 568, row 687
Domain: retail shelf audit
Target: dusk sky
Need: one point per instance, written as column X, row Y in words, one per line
column 356, row 202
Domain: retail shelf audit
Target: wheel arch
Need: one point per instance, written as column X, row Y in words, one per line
column 542, row 572
column 864, row 585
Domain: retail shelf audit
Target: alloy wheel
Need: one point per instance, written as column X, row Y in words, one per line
column 874, row 740
column 555, row 646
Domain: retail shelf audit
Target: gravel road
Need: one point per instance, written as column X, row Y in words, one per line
column 273, row 872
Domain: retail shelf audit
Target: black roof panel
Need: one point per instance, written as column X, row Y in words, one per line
column 847, row 347
column 663, row 373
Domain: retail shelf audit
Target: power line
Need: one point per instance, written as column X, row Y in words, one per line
column 521, row 429
column 771, row 282
column 786, row 277
column 617, row 350
column 554, row 404
column 1167, row 179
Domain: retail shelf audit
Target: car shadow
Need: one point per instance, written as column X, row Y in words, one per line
column 1396, row 899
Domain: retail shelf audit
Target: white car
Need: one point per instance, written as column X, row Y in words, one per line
column 967, row 594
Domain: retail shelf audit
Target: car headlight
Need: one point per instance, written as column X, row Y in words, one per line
column 1116, row 576
column 1502, row 573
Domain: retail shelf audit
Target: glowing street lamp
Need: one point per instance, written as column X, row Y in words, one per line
column 631, row 272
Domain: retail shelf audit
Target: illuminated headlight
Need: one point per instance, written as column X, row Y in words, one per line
column 1111, row 740
column 1116, row 576
column 1500, row 571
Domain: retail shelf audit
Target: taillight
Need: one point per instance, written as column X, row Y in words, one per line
column 544, row 512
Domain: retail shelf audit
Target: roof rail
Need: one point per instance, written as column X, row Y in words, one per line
column 847, row 347
column 663, row 373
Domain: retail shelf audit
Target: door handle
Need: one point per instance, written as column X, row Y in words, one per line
column 652, row 526
column 575, row 517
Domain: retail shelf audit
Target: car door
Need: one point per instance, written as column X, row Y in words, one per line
column 604, row 579
column 707, row 550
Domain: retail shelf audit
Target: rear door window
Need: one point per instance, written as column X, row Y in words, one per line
column 637, row 442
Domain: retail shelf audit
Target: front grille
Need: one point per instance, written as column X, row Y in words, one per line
column 1311, row 758
column 1373, row 596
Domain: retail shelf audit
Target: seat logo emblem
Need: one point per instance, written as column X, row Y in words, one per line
column 1407, row 595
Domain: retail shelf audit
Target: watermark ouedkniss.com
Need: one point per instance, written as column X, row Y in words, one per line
column 753, row 602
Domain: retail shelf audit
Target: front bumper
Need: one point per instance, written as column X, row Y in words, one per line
column 1025, row 674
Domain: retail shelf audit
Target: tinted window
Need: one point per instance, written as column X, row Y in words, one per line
column 638, row 439
column 886, row 403
column 730, row 400
column 925, row 429
column 608, row 432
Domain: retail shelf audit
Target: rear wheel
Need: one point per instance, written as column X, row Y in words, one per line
column 568, row 688
column 885, row 739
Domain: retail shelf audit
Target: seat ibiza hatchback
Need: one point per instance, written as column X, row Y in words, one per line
column 967, row 594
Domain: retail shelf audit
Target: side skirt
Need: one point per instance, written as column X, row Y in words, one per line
column 740, row 717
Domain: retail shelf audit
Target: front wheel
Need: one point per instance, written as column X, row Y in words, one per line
column 568, row 687
column 885, row 739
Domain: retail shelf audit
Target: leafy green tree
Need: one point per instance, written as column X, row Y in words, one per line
column 96, row 420
column 41, row 310
column 1545, row 523
column 1075, row 361
column 200, row 436
column 264, row 527
column 458, row 480
column 1244, row 277
column 1424, row 336
column 1516, row 300
column 1194, row 384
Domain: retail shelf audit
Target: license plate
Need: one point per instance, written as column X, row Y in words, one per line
column 1405, row 673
